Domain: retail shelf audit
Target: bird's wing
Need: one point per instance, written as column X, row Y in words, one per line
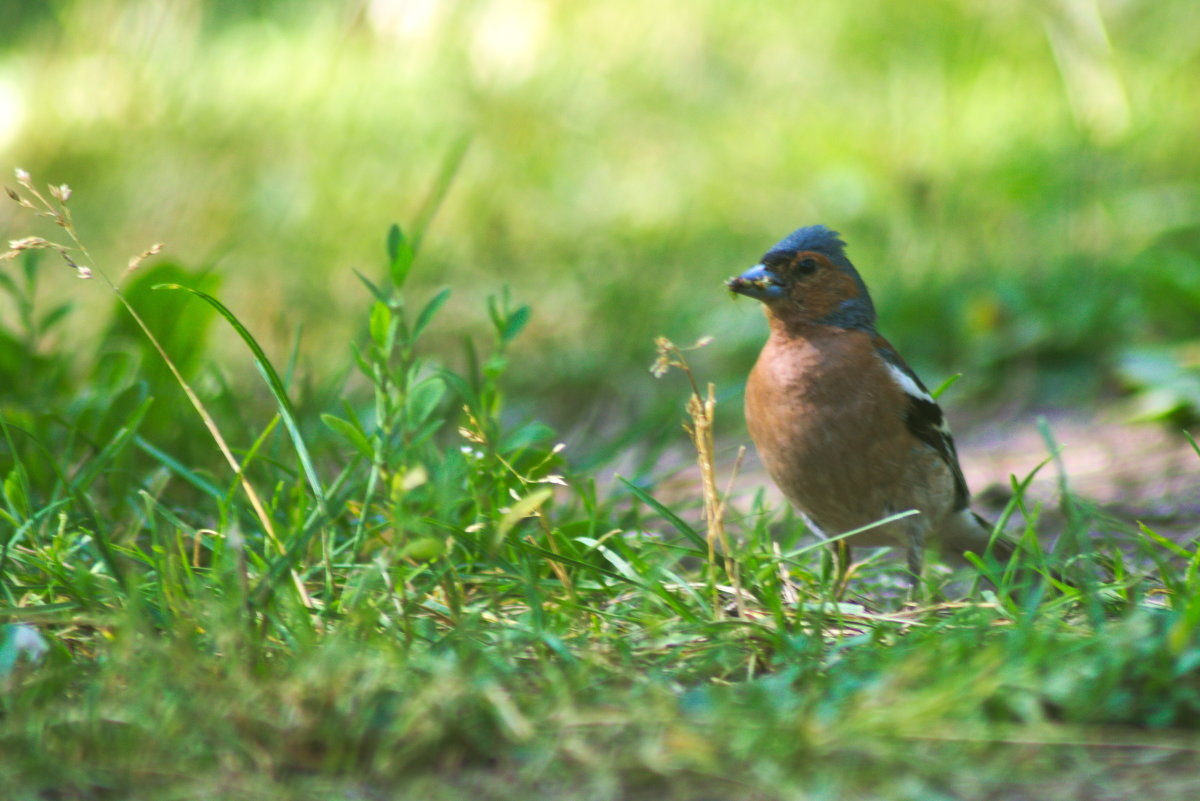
column 924, row 417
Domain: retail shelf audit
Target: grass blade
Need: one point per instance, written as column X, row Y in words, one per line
column 274, row 383
column 675, row 520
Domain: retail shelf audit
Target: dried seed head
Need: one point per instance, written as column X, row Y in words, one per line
column 81, row 271
column 469, row 435
column 29, row 243
column 137, row 260
column 61, row 193
column 22, row 176
column 16, row 197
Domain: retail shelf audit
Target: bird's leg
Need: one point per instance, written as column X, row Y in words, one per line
column 916, row 559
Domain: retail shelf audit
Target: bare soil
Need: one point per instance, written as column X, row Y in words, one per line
column 1133, row 472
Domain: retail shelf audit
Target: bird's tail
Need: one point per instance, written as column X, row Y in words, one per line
column 968, row 531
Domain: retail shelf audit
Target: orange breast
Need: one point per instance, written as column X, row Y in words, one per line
column 828, row 423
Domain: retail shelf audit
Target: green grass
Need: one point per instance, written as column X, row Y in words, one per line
column 432, row 602
column 374, row 573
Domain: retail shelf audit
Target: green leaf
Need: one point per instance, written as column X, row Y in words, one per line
column 1164, row 543
column 824, row 541
column 588, row 566
column 1192, row 440
column 425, row 432
column 697, row 539
column 427, row 313
column 400, row 255
column 423, row 399
column 182, row 328
column 175, row 466
column 274, row 384
column 54, row 316
column 14, row 493
column 394, row 237
column 616, row 560
column 457, row 383
column 102, row 461
column 494, row 313
column 381, row 323
column 350, row 432
column 516, row 321
column 495, row 366
column 945, row 385
column 374, row 290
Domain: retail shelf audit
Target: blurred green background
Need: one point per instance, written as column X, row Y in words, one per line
column 1017, row 181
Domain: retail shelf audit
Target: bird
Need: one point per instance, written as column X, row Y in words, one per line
column 845, row 428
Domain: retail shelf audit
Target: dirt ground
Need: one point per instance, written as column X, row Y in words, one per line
column 1135, row 472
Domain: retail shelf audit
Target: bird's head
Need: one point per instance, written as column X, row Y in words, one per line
column 807, row 279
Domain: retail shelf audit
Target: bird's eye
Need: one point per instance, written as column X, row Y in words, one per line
column 806, row 265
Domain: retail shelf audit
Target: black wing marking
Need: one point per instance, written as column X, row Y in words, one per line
column 925, row 420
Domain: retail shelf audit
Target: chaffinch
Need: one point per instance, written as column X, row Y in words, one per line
column 843, row 425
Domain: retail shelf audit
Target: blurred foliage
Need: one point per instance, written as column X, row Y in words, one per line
column 1165, row 381
column 1011, row 177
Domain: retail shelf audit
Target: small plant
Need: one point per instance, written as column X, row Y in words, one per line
column 700, row 410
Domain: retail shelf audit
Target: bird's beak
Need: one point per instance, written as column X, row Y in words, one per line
column 758, row 282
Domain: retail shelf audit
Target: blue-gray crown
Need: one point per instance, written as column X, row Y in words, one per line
column 816, row 238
